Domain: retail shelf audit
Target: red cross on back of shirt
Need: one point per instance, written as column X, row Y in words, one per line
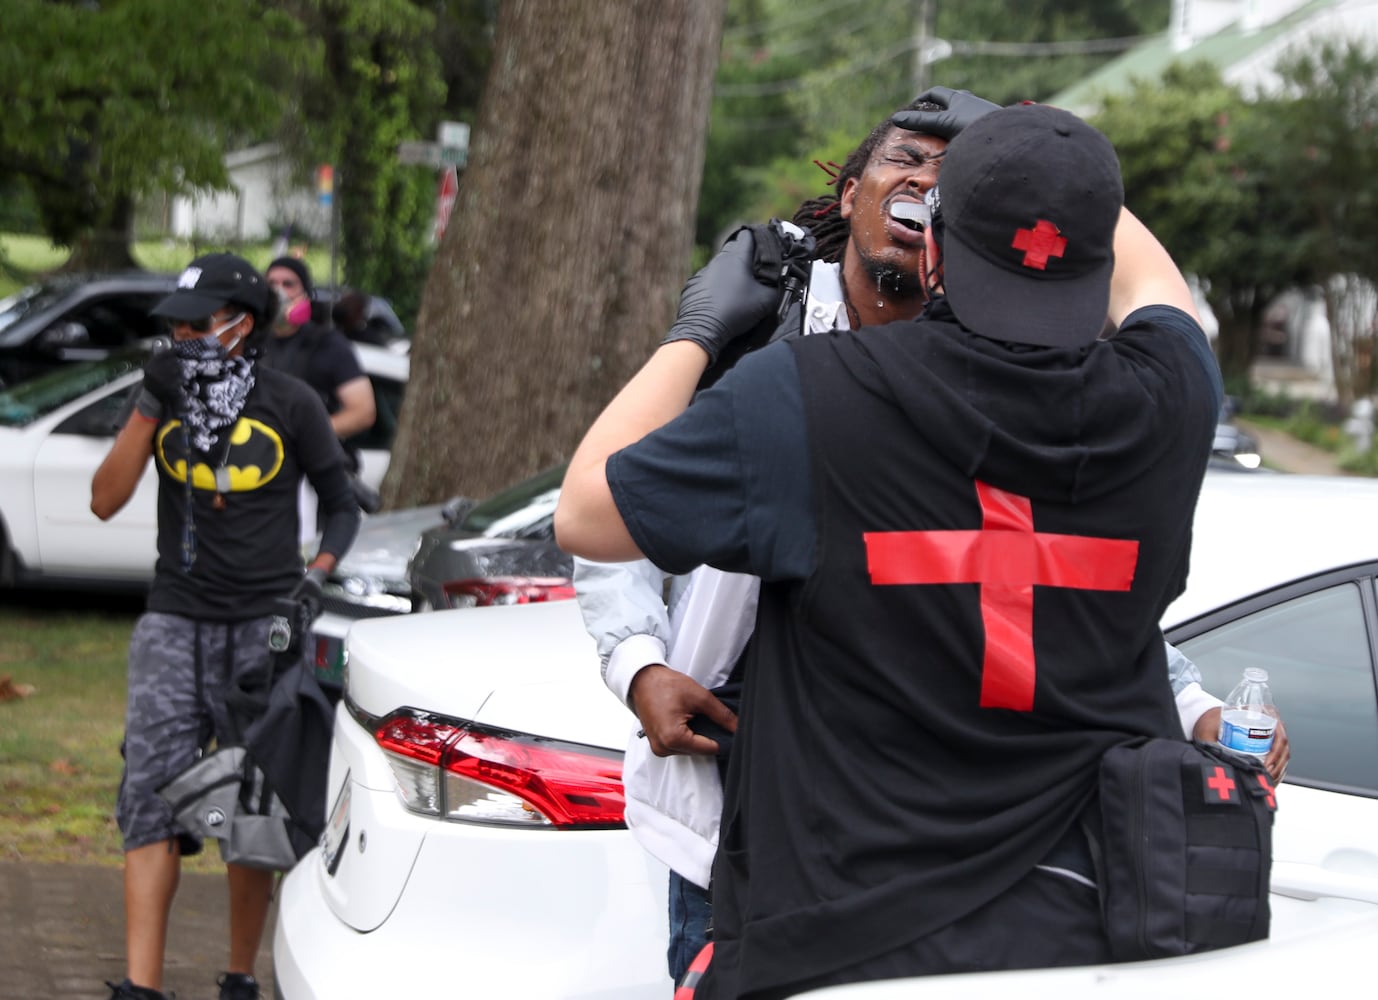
column 1008, row 559
column 1039, row 243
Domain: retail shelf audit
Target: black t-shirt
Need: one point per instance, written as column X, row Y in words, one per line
column 879, row 788
column 321, row 357
column 247, row 554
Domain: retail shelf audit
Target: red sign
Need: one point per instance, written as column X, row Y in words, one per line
column 445, row 200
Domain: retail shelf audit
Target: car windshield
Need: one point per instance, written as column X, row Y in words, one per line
column 30, row 400
column 31, row 299
column 515, row 511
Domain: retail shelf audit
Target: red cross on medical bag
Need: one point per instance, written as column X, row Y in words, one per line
column 1184, row 848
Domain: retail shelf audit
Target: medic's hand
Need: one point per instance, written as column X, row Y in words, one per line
column 961, row 108
column 665, row 700
column 739, row 288
column 162, row 385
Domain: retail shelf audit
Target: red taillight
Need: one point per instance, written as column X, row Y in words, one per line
column 483, row 775
column 485, row 591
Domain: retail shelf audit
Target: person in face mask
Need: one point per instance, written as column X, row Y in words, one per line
column 321, row 357
column 228, row 553
column 325, row 360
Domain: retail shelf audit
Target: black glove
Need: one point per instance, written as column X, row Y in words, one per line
column 310, row 593
column 741, row 286
column 163, row 382
column 962, row 108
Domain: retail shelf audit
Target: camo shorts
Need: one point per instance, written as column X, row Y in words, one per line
column 179, row 672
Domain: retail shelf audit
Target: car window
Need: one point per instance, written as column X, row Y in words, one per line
column 103, row 418
column 520, row 511
column 111, row 321
column 30, row 400
column 1316, row 651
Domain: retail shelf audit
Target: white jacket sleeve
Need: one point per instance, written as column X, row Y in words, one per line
column 1193, row 701
column 623, row 605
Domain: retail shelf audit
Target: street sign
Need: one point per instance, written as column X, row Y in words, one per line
column 419, row 154
column 325, row 184
column 445, row 200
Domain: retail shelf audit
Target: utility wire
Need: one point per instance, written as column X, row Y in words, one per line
column 798, row 16
column 861, row 65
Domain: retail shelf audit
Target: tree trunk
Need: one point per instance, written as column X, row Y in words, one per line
column 568, row 244
column 1239, row 312
column 107, row 247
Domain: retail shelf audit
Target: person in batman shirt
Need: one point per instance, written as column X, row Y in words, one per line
column 231, row 442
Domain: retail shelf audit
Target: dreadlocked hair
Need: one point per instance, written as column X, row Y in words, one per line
column 822, row 216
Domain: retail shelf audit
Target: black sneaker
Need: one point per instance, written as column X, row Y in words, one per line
column 238, row 986
column 128, row 991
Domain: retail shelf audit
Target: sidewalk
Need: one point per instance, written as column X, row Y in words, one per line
column 64, row 933
column 1288, row 454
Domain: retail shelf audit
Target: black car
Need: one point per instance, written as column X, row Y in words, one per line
column 500, row 551
column 455, row 555
column 77, row 317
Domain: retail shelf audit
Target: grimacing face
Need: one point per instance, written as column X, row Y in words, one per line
column 903, row 167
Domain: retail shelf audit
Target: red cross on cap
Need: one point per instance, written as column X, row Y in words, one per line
column 1039, row 243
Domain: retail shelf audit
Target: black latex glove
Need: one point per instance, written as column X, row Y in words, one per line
column 310, row 593
column 740, row 287
column 163, row 379
column 961, row 108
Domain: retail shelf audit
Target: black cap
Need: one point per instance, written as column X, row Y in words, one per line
column 1030, row 197
column 211, row 282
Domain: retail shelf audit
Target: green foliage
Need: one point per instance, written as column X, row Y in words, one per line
column 799, row 82
column 1007, row 78
column 92, row 122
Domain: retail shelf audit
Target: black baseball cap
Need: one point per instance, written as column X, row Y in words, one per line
column 1030, row 196
column 211, row 282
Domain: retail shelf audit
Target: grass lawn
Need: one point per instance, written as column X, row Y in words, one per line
column 60, row 746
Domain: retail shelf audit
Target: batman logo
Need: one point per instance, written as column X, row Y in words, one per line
column 254, row 459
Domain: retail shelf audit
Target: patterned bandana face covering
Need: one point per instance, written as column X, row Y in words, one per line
column 216, row 385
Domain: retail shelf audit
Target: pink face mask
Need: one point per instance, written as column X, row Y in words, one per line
column 299, row 313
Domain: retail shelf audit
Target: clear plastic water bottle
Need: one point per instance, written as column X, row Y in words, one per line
column 1248, row 719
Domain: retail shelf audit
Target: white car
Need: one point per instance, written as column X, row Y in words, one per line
column 56, row 428
column 474, row 774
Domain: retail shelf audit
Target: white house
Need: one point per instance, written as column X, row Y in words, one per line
column 1245, row 39
column 264, row 196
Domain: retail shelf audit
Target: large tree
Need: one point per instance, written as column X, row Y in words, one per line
column 569, row 241
column 105, row 102
column 1328, row 170
column 1199, row 165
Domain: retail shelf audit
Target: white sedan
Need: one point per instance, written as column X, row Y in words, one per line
column 475, row 796
column 54, row 431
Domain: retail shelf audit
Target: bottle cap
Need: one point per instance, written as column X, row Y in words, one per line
column 1255, row 674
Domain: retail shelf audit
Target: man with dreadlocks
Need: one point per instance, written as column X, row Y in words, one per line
column 231, row 441
column 868, row 261
column 673, row 648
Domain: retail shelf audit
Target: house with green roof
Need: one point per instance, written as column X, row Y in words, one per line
column 1243, row 38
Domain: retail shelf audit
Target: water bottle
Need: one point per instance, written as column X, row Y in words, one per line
column 1248, row 718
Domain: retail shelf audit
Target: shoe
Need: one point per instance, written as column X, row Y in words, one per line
column 238, row 986
column 128, row 991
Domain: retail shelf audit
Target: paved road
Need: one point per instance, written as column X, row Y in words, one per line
column 62, row 933
column 1284, row 452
